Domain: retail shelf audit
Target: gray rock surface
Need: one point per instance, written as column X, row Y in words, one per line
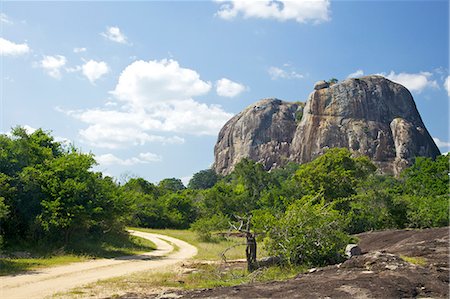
column 370, row 116
column 321, row 85
column 262, row 132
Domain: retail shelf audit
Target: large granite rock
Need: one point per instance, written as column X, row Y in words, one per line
column 262, row 132
column 370, row 116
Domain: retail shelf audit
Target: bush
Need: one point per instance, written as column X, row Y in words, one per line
column 426, row 211
column 307, row 233
column 205, row 226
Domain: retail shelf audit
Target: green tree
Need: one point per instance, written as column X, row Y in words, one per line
column 171, row 185
column 140, row 185
column 310, row 232
column 335, row 174
column 427, row 177
column 75, row 200
column 205, row 226
column 203, row 179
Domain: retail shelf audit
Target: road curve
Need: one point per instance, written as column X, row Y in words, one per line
column 46, row 282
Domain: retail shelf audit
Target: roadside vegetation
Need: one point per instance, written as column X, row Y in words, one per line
column 28, row 258
column 302, row 214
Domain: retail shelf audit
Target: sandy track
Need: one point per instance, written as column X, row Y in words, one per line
column 45, row 282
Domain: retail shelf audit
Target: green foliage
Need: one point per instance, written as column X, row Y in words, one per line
column 51, row 194
column 307, row 233
column 141, row 186
column 425, row 211
column 205, row 226
column 220, row 199
column 203, row 179
column 335, row 174
column 427, row 177
column 171, row 185
column 374, row 206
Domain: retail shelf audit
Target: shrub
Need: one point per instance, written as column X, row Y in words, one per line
column 205, row 226
column 307, row 233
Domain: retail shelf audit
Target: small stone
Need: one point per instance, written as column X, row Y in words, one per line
column 352, row 250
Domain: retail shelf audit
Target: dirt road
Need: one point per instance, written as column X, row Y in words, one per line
column 45, row 282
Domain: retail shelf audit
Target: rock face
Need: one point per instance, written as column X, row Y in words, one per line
column 370, row 116
column 262, row 132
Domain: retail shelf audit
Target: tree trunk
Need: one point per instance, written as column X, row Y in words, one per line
column 250, row 252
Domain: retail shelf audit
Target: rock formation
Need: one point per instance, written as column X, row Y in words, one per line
column 370, row 116
column 262, row 132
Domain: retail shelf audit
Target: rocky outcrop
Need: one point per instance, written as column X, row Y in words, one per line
column 370, row 116
column 262, row 132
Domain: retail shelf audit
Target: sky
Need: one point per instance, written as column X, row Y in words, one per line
column 146, row 86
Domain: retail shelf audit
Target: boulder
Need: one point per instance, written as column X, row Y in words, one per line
column 321, row 85
column 262, row 132
column 370, row 116
column 352, row 250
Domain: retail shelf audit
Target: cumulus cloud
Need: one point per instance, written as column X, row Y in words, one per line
column 157, row 100
column 301, row 11
column 356, row 74
column 94, row 70
column 114, row 34
column 142, row 158
column 9, row 48
column 144, row 83
column 228, row 88
column 52, row 65
column 415, row 82
column 279, row 73
column 447, row 85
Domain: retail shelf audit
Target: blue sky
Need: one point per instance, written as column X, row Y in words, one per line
column 146, row 86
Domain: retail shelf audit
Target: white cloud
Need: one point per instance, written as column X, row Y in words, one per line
column 94, row 70
column 228, row 88
column 415, row 82
column 53, row 64
column 5, row 19
column 356, row 74
column 114, row 34
column 279, row 73
column 447, row 85
column 302, row 11
column 157, row 99
column 441, row 144
column 142, row 158
column 145, row 83
column 9, row 48
column 79, row 50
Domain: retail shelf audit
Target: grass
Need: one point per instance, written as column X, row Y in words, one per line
column 43, row 257
column 210, row 251
column 417, row 260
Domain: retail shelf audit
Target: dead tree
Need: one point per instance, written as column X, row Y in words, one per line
column 250, row 250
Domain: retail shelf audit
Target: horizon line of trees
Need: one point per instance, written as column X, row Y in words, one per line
column 304, row 213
